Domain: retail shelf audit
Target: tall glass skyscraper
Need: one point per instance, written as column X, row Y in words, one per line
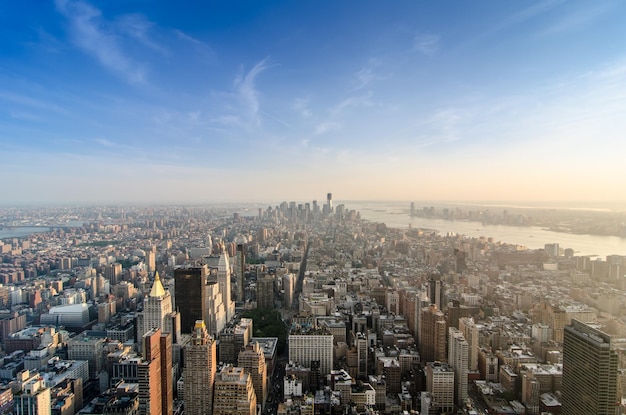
column 189, row 295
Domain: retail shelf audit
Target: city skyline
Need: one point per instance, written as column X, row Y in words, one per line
column 128, row 102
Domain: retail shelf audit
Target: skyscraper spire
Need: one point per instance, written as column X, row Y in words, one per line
column 157, row 290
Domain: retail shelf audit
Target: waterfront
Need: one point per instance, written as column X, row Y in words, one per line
column 396, row 215
column 22, row 231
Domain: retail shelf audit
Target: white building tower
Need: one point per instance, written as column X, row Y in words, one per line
column 157, row 311
column 458, row 358
column 470, row 331
column 214, row 312
column 223, row 279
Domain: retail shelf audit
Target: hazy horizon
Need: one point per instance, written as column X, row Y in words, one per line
column 137, row 103
column 349, row 204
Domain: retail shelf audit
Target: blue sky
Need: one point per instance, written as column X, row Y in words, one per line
column 152, row 101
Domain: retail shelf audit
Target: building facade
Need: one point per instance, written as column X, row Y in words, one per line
column 199, row 372
column 590, row 364
column 316, row 345
column 234, row 393
column 252, row 359
column 458, row 358
column 189, row 295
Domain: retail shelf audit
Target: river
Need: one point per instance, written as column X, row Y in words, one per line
column 396, row 215
column 21, row 231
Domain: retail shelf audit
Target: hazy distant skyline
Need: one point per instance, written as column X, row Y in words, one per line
column 191, row 102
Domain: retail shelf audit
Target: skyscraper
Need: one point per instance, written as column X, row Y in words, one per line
column 214, row 312
column 309, row 346
column 223, row 279
column 150, row 261
column 113, row 273
column 240, row 268
column 33, row 398
column 199, row 373
column 435, row 290
column 234, row 392
column 329, row 202
column 458, row 358
column 468, row 327
column 157, row 311
column 590, row 363
column 265, row 290
column 189, row 295
column 289, row 286
column 440, row 384
column 252, row 359
column 154, row 374
column 432, row 334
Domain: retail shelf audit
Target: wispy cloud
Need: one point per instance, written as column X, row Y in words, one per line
column 367, row 74
column 97, row 37
column 528, row 13
column 427, row 44
column 302, row 106
column 203, row 47
column 28, row 101
column 247, row 92
column 275, row 118
column 352, row 102
column 327, row 126
column 580, row 18
column 25, row 116
column 46, row 42
column 115, row 146
column 137, row 27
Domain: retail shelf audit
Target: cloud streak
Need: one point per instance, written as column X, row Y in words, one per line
column 30, row 102
column 579, row 19
column 352, row 102
column 326, row 127
column 367, row 74
column 247, row 93
column 426, row 44
column 301, row 105
column 93, row 34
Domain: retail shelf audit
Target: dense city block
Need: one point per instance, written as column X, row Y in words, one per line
column 300, row 308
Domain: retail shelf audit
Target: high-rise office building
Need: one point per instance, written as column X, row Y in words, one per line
column 468, row 327
column 157, row 312
column 240, row 269
column 209, row 244
column 289, row 286
column 435, row 291
column 189, row 295
column 309, row 346
column 265, row 290
column 488, row 365
column 234, row 392
column 590, row 363
column 329, row 202
column 150, row 261
column 113, row 273
column 33, row 397
column 215, row 312
column 154, row 375
column 440, row 385
column 252, row 359
column 432, row 334
column 233, row 340
column 458, row 358
column 223, row 279
column 199, row 373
